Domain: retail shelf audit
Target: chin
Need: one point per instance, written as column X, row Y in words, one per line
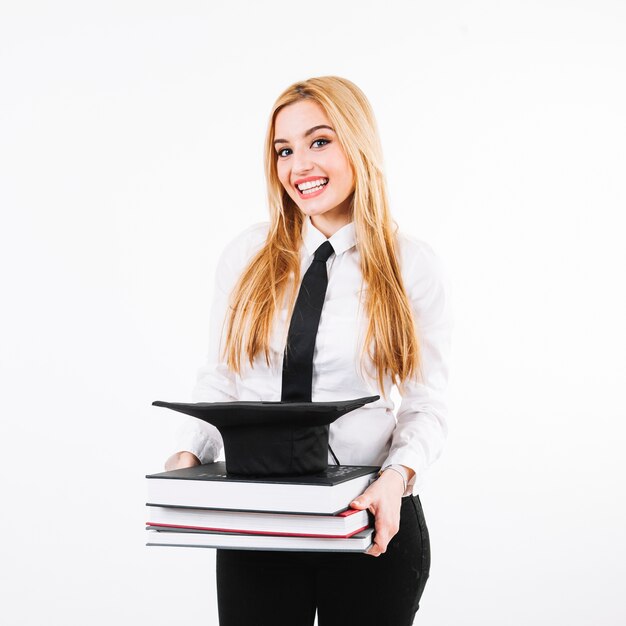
column 315, row 211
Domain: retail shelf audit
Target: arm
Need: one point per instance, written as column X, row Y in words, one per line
column 198, row 441
column 421, row 429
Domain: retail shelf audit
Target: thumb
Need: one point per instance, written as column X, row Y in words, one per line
column 362, row 502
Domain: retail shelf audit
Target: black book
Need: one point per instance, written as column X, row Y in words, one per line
column 209, row 487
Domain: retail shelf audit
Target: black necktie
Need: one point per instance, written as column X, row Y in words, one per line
column 298, row 359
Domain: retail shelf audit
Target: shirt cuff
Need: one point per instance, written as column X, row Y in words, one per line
column 200, row 438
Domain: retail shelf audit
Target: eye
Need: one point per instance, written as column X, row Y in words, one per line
column 324, row 140
column 280, row 152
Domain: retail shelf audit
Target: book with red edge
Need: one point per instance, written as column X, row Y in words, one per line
column 343, row 525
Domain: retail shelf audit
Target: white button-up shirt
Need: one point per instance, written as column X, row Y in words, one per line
column 372, row 434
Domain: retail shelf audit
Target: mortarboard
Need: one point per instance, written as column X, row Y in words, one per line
column 272, row 438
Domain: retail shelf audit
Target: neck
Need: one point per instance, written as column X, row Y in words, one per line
column 328, row 225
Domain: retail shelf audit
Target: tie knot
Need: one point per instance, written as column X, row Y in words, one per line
column 323, row 252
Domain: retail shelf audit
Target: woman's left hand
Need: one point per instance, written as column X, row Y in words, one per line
column 383, row 498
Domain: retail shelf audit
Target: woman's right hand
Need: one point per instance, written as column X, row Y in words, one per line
column 181, row 459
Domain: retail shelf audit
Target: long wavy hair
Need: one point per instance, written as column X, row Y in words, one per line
column 273, row 274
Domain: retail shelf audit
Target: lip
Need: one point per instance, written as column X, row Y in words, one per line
column 307, row 179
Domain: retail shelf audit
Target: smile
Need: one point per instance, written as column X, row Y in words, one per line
column 312, row 187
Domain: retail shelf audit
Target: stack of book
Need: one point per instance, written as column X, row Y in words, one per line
column 203, row 506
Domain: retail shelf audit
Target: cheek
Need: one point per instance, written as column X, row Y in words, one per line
column 347, row 179
column 342, row 170
column 283, row 176
column 282, row 169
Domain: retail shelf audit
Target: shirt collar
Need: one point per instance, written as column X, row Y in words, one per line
column 342, row 240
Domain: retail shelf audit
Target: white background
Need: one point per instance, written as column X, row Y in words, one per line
column 131, row 138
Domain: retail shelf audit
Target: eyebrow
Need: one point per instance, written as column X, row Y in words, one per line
column 306, row 134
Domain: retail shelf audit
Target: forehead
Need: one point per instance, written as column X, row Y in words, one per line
column 294, row 119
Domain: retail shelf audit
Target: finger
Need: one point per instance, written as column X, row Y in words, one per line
column 381, row 544
column 378, row 547
column 362, row 502
column 385, row 532
column 373, row 550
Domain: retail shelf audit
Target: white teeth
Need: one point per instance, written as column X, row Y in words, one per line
column 313, row 190
column 320, row 182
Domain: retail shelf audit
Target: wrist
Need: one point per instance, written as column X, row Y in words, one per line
column 397, row 474
column 181, row 459
column 187, row 453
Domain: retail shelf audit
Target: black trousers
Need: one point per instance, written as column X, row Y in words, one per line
column 263, row 588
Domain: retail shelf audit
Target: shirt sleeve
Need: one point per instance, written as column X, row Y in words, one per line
column 214, row 381
column 421, row 428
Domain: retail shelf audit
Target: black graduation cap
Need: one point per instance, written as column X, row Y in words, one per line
column 272, row 438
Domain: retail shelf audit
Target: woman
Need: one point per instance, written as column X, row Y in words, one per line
column 385, row 322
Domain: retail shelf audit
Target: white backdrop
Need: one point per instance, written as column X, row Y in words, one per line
column 131, row 150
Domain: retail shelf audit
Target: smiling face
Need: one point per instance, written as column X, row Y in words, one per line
column 312, row 166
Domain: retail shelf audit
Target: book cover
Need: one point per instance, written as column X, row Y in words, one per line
column 210, row 487
column 334, row 475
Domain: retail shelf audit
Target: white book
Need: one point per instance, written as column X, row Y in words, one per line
column 210, row 487
column 357, row 543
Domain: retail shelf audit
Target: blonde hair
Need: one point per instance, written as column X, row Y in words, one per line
column 390, row 341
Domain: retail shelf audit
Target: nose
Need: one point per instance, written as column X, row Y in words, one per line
column 302, row 162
